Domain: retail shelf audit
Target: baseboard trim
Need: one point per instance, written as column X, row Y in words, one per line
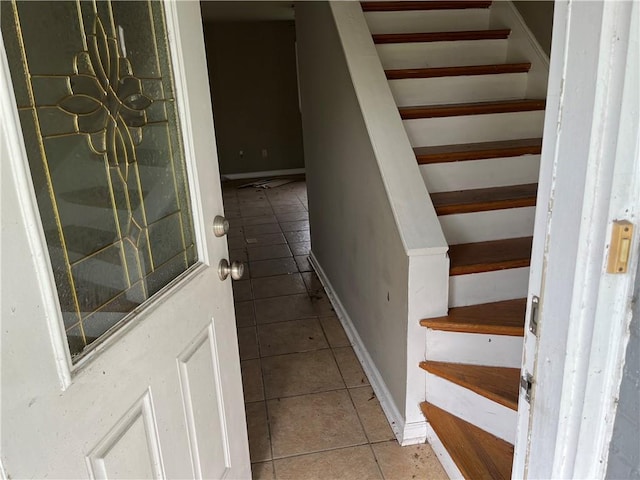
column 390, row 409
column 265, row 174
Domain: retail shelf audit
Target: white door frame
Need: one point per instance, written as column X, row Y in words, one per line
column 590, row 176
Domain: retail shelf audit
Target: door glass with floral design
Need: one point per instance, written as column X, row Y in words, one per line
column 94, row 92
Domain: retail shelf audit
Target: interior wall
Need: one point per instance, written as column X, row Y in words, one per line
column 254, row 87
column 354, row 236
column 538, row 15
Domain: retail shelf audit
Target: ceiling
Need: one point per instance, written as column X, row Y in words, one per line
column 246, row 11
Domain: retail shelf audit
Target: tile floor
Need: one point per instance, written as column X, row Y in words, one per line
column 311, row 413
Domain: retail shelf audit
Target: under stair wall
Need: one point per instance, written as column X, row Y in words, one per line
column 376, row 241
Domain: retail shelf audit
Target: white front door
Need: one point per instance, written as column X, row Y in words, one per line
column 119, row 351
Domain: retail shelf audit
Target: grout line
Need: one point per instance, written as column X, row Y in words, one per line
column 375, row 459
column 342, row 447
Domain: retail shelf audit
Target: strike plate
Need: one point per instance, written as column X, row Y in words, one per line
column 622, row 232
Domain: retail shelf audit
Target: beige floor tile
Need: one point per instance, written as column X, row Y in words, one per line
column 294, row 336
column 236, row 232
column 262, row 471
column 303, row 263
column 312, row 423
column 281, row 200
column 275, row 266
column 236, row 242
column 252, row 380
column 242, row 290
column 258, row 431
column 292, row 217
column 350, row 367
column 265, row 239
column 245, row 314
column 294, row 226
column 353, row 463
column 261, row 220
column 301, row 373
column 259, row 252
column 253, row 230
column 300, row 248
column 239, row 254
column 278, row 285
column 375, row 423
column 414, row 461
column 255, row 211
column 312, row 282
column 288, row 208
column 249, row 199
column 297, row 237
column 230, row 213
column 290, row 307
column 247, row 343
column 334, row 332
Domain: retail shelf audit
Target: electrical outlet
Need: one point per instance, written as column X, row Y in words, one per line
column 265, row 153
column 241, row 153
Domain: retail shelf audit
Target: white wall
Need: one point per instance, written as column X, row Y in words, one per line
column 374, row 235
column 254, row 88
column 538, row 16
column 353, row 234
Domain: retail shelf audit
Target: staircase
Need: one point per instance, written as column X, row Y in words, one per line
column 465, row 96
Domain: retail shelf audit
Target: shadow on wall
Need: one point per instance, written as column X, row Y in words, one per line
column 252, row 70
column 538, row 15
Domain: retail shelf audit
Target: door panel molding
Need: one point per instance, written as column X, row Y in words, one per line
column 203, row 349
column 141, row 411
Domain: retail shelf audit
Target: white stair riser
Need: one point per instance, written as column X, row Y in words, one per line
column 488, row 287
column 408, row 92
column 474, row 348
column 414, row 21
column 471, row 407
column 442, row 54
column 426, row 132
column 485, row 226
column 489, row 172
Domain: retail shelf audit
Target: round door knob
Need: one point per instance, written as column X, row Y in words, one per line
column 220, row 226
column 236, row 270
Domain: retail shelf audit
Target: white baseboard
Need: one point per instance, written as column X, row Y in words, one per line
column 406, row 434
column 265, row 174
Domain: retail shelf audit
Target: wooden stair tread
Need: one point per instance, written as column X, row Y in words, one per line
column 499, row 34
column 466, row 258
column 481, row 108
column 499, row 384
column 467, row 70
column 478, row 151
column 478, row 454
column 433, row 5
column 496, row 318
column 485, row 199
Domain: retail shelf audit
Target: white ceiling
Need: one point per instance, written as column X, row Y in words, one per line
column 246, row 11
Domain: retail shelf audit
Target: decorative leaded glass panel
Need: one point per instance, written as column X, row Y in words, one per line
column 95, row 95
